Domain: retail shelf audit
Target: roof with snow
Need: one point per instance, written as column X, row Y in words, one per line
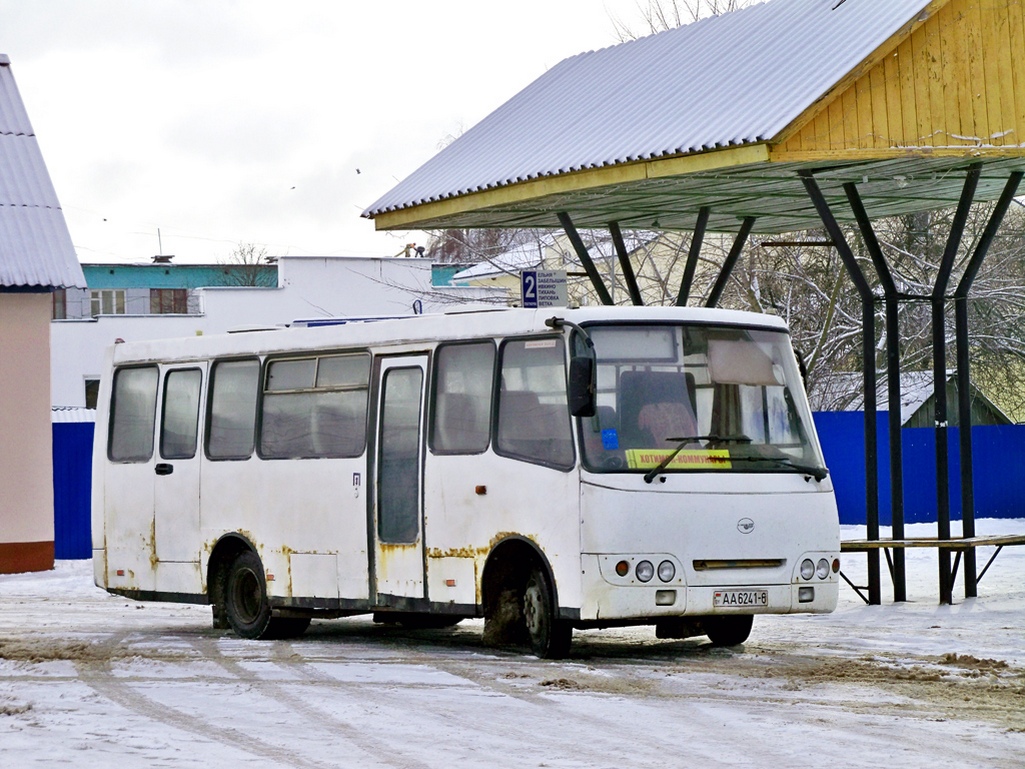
column 843, row 391
column 724, row 113
column 35, row 245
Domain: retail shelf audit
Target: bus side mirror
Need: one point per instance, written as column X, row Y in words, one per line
column 581, row 386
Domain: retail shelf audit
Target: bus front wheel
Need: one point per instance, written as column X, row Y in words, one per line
column 728, row 630
column 549, row 636
column 247, row 607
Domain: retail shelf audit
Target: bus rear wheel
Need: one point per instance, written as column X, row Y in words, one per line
column 247, row 606
column 550, row 636
column 728, row 630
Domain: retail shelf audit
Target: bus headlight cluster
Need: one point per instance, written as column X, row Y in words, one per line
column 645, row 570
column 810, row 568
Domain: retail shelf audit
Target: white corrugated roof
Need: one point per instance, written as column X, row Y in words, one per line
column 734, row 79
column 35, row 245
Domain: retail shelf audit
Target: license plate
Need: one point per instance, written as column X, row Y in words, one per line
column 740, row 598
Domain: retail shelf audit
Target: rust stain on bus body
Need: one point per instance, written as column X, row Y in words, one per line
column 479, row 552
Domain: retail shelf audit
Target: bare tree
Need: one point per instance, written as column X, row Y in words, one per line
column 660, row 15
column 248, row 265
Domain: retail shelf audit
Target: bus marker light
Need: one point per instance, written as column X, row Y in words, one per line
column 665, row 597
column 450, row 583
column 270, row 577
column 481, row 490
column 120, row 572
column 622, row 568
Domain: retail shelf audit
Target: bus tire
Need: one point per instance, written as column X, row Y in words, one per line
column 245, row 597
column 729, row 629
column 549, row 636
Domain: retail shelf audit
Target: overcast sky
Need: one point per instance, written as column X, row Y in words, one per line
column 276, row 123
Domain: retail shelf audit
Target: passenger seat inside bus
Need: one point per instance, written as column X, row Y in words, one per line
column 655, row 406
column 532, row 429
column 455, row 423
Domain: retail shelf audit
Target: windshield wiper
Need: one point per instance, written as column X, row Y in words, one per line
column 818, row 473
column 682, row 442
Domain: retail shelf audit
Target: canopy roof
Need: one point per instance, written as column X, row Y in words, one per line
column 895, row 96
column 35, row 246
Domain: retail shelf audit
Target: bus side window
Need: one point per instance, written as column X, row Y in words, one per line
column 179, row 425
column 132, row 414
column 464, row 377
column 234, row 385
column 315, row 407
column 533, row 413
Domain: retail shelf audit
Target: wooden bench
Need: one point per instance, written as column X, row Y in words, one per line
column 958, row 544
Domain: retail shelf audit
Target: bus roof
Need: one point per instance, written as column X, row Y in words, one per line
column 416, row 329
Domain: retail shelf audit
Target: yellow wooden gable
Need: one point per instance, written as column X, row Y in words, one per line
column 954, row 86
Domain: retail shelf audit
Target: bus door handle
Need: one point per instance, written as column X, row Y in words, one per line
column 164, row 468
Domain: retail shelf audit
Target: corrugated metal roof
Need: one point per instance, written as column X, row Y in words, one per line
column 64, row 414
column 35, row 245
column 734, row 79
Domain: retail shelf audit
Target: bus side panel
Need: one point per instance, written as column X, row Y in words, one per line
column 99, row 474
column 306, row 518
column 516, row 498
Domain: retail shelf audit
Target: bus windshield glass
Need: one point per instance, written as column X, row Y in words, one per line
column 684, row 398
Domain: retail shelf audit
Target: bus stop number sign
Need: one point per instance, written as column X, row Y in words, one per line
column 543, row 288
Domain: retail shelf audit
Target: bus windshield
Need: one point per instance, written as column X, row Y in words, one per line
column 684, row 397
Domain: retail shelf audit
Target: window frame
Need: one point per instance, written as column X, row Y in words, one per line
column 492, row 412
column 135, row 459
column 497, row 405
column 208, row 420
column 163, row 413
column 317, row 356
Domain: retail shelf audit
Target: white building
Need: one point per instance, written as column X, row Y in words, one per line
column 308, row 288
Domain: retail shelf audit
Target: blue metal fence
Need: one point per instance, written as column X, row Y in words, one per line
column 72, row 488
column 998, row 459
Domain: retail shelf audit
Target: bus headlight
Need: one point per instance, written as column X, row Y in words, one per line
column 822, row 568
column 644, row 571
column 666, row 571
column 807, row 568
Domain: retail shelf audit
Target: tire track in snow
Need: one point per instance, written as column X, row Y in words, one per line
column 333, row 726
column 97, row 673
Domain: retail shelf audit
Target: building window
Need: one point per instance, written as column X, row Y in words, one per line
column 168, row 301
column 60, row 304
column 92, row 393
column 107, row 301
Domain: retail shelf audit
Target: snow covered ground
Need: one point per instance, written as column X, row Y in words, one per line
column 92, row 680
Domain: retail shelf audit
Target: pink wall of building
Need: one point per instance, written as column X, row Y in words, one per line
column 26, row 461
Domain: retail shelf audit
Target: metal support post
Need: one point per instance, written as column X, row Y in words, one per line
column 624, row 263
column 898, row 570
column 585, row 258
column 731, row 260
column 869, row 371
column 964, row 411
column 939, row 373
column 697, row 238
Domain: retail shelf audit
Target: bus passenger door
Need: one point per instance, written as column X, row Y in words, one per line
column 176, row 477
column 397, row 512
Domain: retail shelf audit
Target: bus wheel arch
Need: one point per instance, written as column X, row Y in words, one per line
column 520, row 600
column 238, row 591
column 222, row 557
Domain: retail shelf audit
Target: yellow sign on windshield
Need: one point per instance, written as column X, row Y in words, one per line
column 688, row 459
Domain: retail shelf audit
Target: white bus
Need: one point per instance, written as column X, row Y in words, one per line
column 584, row 468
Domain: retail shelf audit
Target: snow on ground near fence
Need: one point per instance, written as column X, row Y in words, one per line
column 93, row 680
